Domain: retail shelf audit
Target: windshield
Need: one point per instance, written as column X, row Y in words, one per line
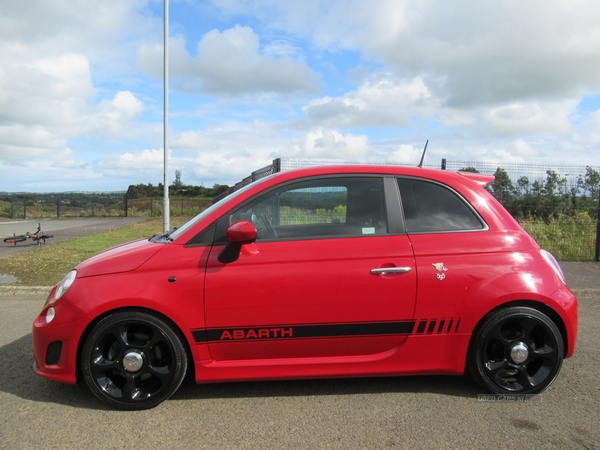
column 182, row 229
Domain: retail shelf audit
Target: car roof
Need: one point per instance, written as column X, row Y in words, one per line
column 433, row 174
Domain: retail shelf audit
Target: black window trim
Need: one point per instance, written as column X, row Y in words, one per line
column 485, row 226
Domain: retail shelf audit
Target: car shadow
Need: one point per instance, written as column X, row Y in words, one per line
column 17, row 378
column 454, row 386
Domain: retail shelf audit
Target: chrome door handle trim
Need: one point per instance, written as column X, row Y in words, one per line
column 382, row 270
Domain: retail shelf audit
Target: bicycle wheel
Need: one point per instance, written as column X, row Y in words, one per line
column 15, row 239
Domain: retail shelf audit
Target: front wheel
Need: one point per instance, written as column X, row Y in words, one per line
column 133, row 360
column 15, row 239
column 516, row 350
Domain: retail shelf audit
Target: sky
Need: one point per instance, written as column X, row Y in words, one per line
column 81, row 86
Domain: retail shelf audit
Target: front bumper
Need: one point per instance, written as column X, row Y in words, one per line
column 55, row 342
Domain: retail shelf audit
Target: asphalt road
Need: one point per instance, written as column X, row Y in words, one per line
column 428, row 412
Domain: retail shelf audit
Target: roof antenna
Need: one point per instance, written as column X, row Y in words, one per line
column 423, row 155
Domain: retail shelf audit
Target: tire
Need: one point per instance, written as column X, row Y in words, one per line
column 133, row 360
column 15, row 239
column 516, row 350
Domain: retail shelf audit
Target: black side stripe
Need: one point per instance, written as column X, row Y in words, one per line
column 278, row 332
column 428, row 326
column 313, row 331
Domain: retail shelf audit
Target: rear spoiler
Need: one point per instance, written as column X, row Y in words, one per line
column 478, row 178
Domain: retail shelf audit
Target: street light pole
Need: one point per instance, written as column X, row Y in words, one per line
column 166, row 205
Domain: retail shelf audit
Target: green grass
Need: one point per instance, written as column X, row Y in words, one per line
column 49, row 264
column 568, row 238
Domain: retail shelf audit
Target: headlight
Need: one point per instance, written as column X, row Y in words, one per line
column 65, row 284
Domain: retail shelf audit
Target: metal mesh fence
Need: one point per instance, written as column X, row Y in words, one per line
column 564, row 221
column 533, row 172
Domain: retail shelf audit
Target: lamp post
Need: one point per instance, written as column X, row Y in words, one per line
column 166, row 205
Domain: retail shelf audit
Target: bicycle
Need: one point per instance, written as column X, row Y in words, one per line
column 38, row 237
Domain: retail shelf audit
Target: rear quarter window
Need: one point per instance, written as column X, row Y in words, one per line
column 430, row 208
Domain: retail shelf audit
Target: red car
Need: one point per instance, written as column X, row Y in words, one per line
column 321, row 272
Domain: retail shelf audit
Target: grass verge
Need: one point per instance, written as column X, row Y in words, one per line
column 49, row 264
column 568, row 238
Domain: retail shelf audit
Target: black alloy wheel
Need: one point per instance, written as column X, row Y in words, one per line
column 133, row 360
column 516, row 350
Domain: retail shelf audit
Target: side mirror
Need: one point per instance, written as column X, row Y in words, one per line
column 238, row 234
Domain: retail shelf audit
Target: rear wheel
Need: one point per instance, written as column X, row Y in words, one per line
column 516, row 350
column 133, row 360
column 42, row 238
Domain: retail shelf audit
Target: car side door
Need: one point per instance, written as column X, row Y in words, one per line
column 331, row 273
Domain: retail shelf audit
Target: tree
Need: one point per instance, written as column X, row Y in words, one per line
column 177, row 184
column 554, row 185
column 523, row 185
column 502, row 187
column 590, row 182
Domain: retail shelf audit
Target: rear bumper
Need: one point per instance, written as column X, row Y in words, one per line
column 567, row 299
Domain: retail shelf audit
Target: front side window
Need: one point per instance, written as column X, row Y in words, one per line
column 323, row 207
column 431, row 208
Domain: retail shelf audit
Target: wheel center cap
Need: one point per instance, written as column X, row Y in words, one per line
column 519, row 353
column 133, row 361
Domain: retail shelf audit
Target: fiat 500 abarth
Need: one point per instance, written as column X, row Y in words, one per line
column 320, row 272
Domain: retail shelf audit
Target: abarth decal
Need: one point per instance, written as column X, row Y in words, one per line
column 303, row 331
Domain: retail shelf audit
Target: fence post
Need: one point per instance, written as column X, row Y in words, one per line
column 24, row 208
column 597, row 255
column 58, row 207
column 126, row 207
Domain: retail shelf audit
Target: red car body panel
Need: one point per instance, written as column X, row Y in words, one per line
column 312, row 307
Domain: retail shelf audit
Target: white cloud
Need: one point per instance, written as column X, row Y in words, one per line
column 382, row 100
column 530, row 118
column 148, row 160
column 231, row 63
column 111, row 116
column 197, row 140
column 404, row 154
column 325, row 143
column 65, row 66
